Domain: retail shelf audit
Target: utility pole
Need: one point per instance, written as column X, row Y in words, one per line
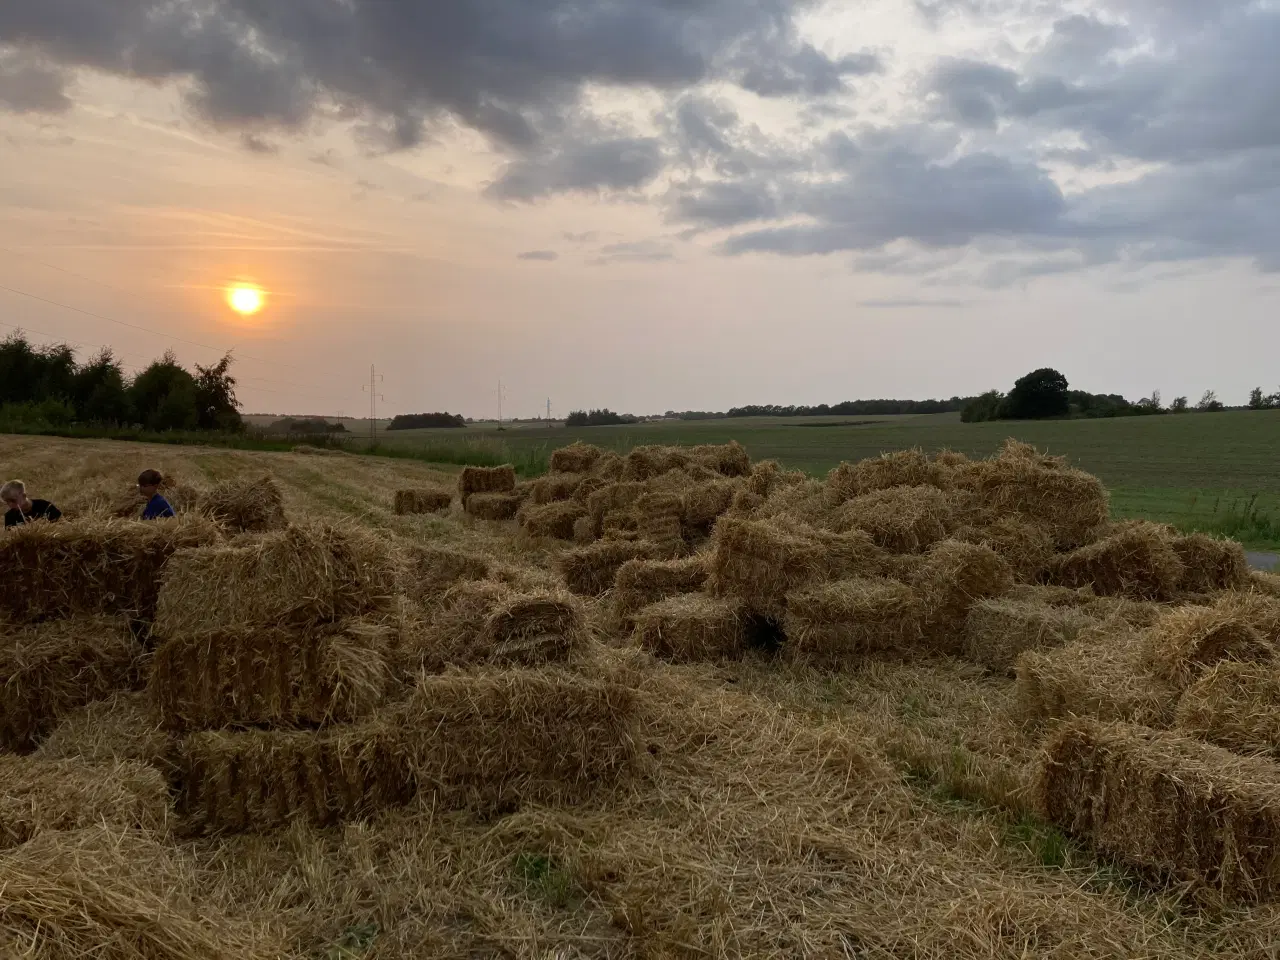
column 499, row 403
column 374, row 396
column 548, row 408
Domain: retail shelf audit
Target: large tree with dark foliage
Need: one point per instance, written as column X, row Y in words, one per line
column 598, row 418
column 216, row 404
column 423, row 421
column 1040, row 394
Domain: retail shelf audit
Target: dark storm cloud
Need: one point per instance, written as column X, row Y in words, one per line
column 28, row 85
column 591, row 167
column 509, row 68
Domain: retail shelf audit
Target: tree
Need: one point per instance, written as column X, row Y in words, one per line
column 1256, row 400
column 163, row 396
column 99, row 392
column 1040, row 394
column 983, row 408
column 1209, row 403
column 1150, row 404
column 1179, row 405
column 216, row 405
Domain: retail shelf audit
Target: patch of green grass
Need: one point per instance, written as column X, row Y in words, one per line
column 354, row 942
column 1253, row 518
column 1047, row 844
column 529, row 461
column 546, row 880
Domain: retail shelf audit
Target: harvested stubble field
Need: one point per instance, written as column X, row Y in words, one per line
column 928, row 707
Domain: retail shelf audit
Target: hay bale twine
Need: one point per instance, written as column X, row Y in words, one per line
column 997, row 631
column 246, row 506
column 1137, row 560
column 639, row 583
column 1210, row 563
column 1186, row 641
column 589, row 571
column 49, row 670
column 494, row 507
column 835, row 624
column 272, row 676
column 300, row 576
column 422, row 500
column 1235, row 705
column 41, row 795
column 953, row 577
column 475, row 480
column 552, row 520
column 1168, row 803
column 902, row 519
column 692, row 627
column 125, row 726
column 760, row 562
column 578, row 457
column 92, row 567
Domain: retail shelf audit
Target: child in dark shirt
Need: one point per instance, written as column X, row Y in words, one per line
column 149, row 482
column 21, row 508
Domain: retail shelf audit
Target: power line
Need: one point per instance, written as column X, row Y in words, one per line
column 374, row 396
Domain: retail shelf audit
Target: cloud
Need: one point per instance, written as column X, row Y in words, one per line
column 635, row 251
column 511, row 69
column 30, row 85
column 605, row 166
column 906, row 303
column 256, row 144
column 543, row 255
column 585, row 237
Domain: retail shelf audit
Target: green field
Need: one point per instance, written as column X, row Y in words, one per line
column 1213, row 471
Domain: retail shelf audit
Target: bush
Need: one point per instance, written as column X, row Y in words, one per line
column 598, row 418
column 983, row 408
column 424, row 421
column 1040, row 394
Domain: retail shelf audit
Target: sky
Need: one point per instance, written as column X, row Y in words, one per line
column 648, row 205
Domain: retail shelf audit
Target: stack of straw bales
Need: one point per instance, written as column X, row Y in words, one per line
column 494, row 507
column 300, row 576
column 577, row 458
column 1187, row 641
column 902, row 519
column 998, row 631
column 1136, row 560
column 1167, row 803
column 90, row 567
column 422, row 500
column 639, row 583
column 488, row 622
column 760, row 562
column 1210, row 563
column 41, row 794
column 589, row 571
column 835, row 624
column 50, row 670
column 1235, row 705
column 246, row 505
column 951, row 579
column 904, row 468
column 555, row 520
column 489, row 493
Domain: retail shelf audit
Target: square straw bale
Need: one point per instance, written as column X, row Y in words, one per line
column 41, row 794
column 902, row 468
column 301, row 576
column 997, row 631
column 1266, row 583
column 1106, row 678
column 246, row 505
column 1186, row 641
column 702, row 505
column 952, row 577
column 692, row 627
column 125, row 726
column 639, row 583
column 589, row 571
column 578, row 457
column 273, row 676
column 901, row 519
column 835, row 624
column 1261, row 611
column 1025, row 546
column 1071, row 504
column 1168, row 803
column 727, row 459
column 554, row 487
column 1236, row 706
column 553, row 520
column 92, row 566
column 760, row 562
column 494, row 507
column 1136, row 560
column 475, row 480
column 111, row 894
column 422, row 500
column 1211, row 563
column 257, row 780
column 491, row 740
column 432, row 568
column 48, row 670
column 647, row 462
column 492, row 623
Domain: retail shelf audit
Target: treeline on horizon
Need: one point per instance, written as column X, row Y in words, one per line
column 46, row 386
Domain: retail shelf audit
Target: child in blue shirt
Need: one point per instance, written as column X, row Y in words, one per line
column 149, row 482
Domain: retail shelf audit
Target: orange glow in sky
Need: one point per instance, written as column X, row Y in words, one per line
column 245, row 299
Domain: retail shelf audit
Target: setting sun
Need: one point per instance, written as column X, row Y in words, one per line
column 245, row 299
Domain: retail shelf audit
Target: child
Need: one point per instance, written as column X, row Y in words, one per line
column 149, row 482
column 23, row 509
